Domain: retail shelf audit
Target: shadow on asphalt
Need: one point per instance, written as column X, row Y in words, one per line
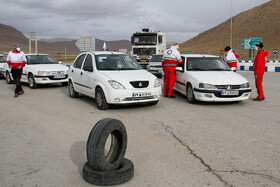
column 78, row 155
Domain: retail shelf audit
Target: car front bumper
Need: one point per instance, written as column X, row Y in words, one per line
column 133, row 96
column 216, row 95
column 49, row 79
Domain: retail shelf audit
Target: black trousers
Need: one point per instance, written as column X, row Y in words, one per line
column 16, row 73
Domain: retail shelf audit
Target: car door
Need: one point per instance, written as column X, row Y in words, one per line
column 180, row 83
column 76, row 72
column 87, row 76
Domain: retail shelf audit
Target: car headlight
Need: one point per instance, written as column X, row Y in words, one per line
column 157, row 83
column 205, row 85
column 116, row 85
column 44, row 73
column 246, row 85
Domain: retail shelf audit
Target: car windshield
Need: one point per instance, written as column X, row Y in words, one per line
column 41, row 59
column 113, row 62
column 206, row 64
column 2, row 59
column 156, row 58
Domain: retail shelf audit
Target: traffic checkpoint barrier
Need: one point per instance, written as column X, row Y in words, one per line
column 252, row 61
column 248, row 66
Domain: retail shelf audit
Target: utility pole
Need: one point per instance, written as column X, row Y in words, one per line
column 33, row 37
column 231, row 23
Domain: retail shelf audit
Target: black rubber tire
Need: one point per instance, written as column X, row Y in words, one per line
column 8, row 78
column 107, row 178
column 31, row 82
column 190, row 94
column 98, row 136
column 71, row 90
column 100, row 99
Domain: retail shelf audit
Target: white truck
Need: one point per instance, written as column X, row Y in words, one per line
column 147, row 43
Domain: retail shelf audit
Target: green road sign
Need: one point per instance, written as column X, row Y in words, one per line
column 253, row 41
column 189, row 52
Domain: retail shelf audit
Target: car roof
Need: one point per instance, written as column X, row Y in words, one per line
column 107, row 53
column 197, row 55
column 157, row 54
column 36, row 54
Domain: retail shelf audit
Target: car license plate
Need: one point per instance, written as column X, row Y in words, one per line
column 58, row 76
column 226, row 92
column 141, row 94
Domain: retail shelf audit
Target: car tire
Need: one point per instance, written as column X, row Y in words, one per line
column 190, row 94
column 101, row 99
column 108, row 178
column 71, row 90
column 31, row 82
column 95, row 149
column 8, row 78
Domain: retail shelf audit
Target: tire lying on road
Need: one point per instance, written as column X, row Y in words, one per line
column 121, row 175
column 98, row 136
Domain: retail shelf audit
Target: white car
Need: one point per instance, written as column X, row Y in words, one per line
column 41, row 69
column 155, row 65
column 112, row 78
column 2, row 63
column 208, row 78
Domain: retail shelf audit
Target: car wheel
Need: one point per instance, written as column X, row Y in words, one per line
column 8, row 78
column 190, row 94
column 110, row 157
column 71, row 90
column 31, row 82
column 121, row 175
column 101, row 99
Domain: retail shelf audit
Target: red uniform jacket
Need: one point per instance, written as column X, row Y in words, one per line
column 259, row 63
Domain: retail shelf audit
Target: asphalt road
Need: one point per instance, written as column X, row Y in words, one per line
column 44, row 132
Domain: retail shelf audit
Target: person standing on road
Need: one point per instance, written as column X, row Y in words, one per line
column 259, row 69
column 16, row 61
column 170, row 60
column 231, row 58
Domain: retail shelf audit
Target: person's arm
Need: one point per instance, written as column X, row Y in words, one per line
column 9, row 60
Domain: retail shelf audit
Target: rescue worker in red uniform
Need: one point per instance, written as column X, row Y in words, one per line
column 231, row 58
column 259, row 69
column 16, row 61
column 170, row 60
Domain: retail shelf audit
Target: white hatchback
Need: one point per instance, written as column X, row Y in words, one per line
column 41, row 69
column 208, row 78
column 112, row 78
column 2, row 63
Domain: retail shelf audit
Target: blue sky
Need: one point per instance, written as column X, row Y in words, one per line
column 115, row 20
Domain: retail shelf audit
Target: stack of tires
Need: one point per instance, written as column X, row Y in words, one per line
column 110, row 168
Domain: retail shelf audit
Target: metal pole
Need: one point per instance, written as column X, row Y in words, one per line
column 65, row 53
column 29, row 42
column 36, row 49
column 231, row 24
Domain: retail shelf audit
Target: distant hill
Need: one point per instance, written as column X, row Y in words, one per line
column 260, row 22
column 10, row 35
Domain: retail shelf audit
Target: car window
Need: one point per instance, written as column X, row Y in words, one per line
column 40, row 59
column 116, row 62
column 2, row 59
column 156, row 58
column 182, row 65
column 206, row 64
column 79, row 61
column 88, row 64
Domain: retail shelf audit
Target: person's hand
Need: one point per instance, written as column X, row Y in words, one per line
column 11, row 66
column 19, row 67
